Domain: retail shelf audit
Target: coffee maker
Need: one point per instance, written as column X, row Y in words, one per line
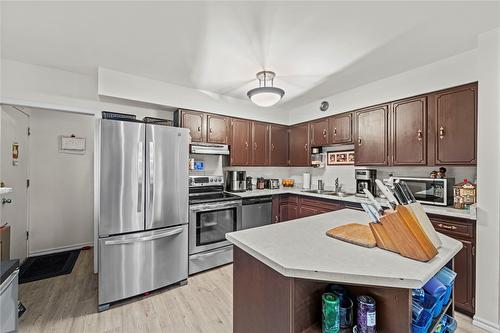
column 365, row 178
column 236, row 181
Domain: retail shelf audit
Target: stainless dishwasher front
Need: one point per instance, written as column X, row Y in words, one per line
column 256, row 212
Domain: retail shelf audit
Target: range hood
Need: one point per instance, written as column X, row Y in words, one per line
column 209, row 149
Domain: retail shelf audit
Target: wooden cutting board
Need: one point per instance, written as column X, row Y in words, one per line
column 354, row 233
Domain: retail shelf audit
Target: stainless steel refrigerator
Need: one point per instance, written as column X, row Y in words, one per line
column 143, row 219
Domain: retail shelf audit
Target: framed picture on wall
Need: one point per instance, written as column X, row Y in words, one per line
column 340, row 157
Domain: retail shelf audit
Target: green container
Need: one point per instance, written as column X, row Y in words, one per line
column 331, row 316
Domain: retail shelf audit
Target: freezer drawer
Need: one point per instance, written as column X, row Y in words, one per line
column 209, row 259
column 132, row 264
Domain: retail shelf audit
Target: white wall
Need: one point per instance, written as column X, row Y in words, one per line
column 61, row 184
column 445, row 73
column 132, row 87
column 488, row 165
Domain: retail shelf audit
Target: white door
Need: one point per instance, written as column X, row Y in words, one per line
column 14, row 173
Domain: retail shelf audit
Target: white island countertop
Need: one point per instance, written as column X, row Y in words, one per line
column 301, row 249
column 438, row 210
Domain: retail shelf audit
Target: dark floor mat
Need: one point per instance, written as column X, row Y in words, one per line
column 47, row 266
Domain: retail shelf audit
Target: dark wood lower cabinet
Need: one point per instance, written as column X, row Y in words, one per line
column 465, row 261
column 294, row 207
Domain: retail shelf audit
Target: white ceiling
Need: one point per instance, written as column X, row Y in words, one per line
column 316, row 48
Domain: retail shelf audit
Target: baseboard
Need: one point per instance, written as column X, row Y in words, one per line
column 486, row 325
column 59, row 249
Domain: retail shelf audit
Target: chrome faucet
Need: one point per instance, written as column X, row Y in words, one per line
column 338, row 187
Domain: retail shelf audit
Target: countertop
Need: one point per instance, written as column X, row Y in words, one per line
column 7, row 267
column 438, row 210
column 301, row 249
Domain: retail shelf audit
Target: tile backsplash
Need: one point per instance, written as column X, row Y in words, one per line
column 216, row 165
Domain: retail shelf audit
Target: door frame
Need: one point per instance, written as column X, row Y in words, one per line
column 27, row 188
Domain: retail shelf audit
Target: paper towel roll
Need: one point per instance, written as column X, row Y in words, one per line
column 306, row 181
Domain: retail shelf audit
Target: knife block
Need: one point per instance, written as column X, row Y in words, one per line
column 399, row 231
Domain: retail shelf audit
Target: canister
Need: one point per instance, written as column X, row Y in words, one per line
column 331, row 320
column 366, row 318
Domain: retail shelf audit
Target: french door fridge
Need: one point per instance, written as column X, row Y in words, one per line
column 143, row 220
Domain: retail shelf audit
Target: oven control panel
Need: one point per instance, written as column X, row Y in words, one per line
column 205, row 181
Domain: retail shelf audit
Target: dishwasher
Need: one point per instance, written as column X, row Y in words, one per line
column 256, row 212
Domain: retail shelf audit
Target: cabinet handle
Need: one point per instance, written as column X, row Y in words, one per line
column 272, row 146
column 246, row 144
column 419, row 135
column 324, row 133
column 305, row 146
column 441, row 132
column 210, row 130
column 335, row 131
column 199, row 129
column 255, row 146
column 276, row 219
column 359, row 141
column 448, row 227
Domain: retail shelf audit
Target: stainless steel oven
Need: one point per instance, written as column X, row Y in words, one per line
column 209, row 223
column 212, row 214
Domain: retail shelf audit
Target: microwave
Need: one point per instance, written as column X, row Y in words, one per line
column 430, row 191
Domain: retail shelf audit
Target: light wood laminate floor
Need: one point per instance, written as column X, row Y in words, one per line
column 68, row 304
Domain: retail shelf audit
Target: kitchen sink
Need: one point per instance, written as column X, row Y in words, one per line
column 320, row 192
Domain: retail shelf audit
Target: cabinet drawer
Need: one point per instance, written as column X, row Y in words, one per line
column 289, row 199
column 453, row 227
column 323, row 204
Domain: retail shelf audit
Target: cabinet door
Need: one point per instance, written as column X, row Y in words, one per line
column 409, row 132
column 305, row 211
column 240, row 148
column 371, row 136
column 464, row 283
column 299, row 145
column 260, row 144
column 318, row 130
column 288, row 212
column 455, row 125
column 279, row 145
column 195, row 122
column 340, row 128
column 217, row 129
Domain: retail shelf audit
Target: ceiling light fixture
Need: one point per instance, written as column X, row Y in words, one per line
column 266, row 94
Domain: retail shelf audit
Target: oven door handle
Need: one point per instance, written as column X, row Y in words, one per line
column 208, row 254
column 209, row 224
column 212, row 206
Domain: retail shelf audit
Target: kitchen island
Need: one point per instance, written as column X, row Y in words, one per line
column 281, row 270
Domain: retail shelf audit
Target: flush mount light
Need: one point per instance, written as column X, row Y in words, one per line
column 266, row 94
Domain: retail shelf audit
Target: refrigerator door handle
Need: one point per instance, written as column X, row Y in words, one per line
column 144, row 239
column 151, row 172
column 140, row 168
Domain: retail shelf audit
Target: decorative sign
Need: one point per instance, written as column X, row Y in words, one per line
column 340, row 157
column 73, row 145
column 15, row 153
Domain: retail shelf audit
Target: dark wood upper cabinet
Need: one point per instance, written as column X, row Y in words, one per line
column 241, row 153
column 260, row 144
column 371, row 136
column 453, row 120
column 195, row 122
column 279, row 145
column 299, row 145
column 318, row 129
column 409, row 131
column 217, row 129
column 340, row 128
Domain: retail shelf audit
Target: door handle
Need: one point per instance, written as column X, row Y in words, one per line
column 6, row 201
column 140, row 168
column 441, row 132
column 151, row 171
column 144, row 239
